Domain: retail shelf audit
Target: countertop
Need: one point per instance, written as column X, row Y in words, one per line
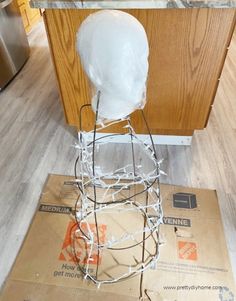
column 123, row 4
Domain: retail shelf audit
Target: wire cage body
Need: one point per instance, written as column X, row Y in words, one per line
column 118, row 211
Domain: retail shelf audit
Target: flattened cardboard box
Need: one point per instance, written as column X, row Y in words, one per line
column 193, row 265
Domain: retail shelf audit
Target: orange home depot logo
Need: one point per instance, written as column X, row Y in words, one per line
column 187, row 250
column 74, row 247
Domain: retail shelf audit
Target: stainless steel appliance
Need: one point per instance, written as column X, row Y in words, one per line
column 14, row 47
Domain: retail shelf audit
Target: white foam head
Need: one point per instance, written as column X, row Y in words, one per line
column 113, row 48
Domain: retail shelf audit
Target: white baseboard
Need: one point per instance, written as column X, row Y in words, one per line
column 157, row 139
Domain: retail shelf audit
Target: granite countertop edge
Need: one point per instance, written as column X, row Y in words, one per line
column 136, row 4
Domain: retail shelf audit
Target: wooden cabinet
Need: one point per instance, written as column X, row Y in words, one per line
column 187, row 52
column 30, row 16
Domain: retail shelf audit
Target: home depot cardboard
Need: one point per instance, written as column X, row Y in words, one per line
column 193, row 263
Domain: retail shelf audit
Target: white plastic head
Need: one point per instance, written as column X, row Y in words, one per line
column 113, row 48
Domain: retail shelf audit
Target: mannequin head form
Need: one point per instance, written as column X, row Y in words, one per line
column 113, row 48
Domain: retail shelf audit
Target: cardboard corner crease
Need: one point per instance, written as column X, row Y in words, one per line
column 193, row 265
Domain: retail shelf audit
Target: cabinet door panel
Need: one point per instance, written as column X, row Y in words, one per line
column 29, row 15
column 187, row 52
column 25, row 16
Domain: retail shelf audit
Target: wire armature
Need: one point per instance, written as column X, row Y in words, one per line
column 118, row 212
